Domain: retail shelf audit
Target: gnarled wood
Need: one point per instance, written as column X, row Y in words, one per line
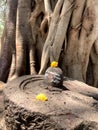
column 94, row 57
column 24, row 40
column 71, row 46
column 6, row 57
column 50, row 38
column 62, row 30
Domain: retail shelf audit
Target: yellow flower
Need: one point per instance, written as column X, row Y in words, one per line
column 54, row 64
column 41, row 97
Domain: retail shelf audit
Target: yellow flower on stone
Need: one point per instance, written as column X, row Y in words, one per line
column 41, row 97
column 54, row 64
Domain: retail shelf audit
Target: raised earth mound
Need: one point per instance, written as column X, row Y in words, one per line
column 74, row 106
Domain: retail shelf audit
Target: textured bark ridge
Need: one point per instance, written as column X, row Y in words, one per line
column 74, row 106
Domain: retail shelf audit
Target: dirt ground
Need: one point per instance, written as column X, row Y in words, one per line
column 1, row 106
column 1, row 100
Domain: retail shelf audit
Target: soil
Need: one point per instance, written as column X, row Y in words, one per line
column 1, row 106
column 1, row 103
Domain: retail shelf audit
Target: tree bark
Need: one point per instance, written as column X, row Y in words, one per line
column 81, row 35
column 71, row 46
column 24, row 40
column 2, row 41
column 5, row 59
column 61, row 30
column 94, row 57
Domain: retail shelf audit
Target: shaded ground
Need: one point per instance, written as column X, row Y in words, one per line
column 1, row 103
column 1, row 99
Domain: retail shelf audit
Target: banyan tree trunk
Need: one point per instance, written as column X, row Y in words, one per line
column 24, row 43
column 56, row 30
column 72, row 35
column 9, row 41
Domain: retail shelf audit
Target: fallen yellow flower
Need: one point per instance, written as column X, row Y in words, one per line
column 54, row 64
column 41, row 97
